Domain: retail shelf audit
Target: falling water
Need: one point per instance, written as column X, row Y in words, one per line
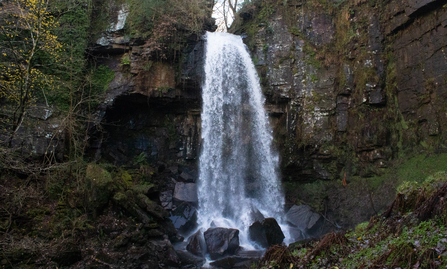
column 238, row 165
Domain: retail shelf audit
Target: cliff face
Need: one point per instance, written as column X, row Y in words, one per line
column 352, row 84
column 152, row 108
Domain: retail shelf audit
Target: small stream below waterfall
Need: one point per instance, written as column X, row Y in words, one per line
column 239, row 176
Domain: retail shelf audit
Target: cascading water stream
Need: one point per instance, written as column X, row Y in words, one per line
column 238, row 165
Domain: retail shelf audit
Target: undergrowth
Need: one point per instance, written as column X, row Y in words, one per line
column 410, row 234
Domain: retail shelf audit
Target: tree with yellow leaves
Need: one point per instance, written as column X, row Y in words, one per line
column 26, row 37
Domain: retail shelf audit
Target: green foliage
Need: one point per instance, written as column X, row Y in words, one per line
column 120, row 196
column 126, row 178
column 29, row 49
column 101, row 78
column 314, row 194
column 267, row 9
column 410, row 189
column 296, row 31
column 158, row 21
column 399, row 241
column 407, row 188
column 311, row 56
column 360, row 228
column 140, row 159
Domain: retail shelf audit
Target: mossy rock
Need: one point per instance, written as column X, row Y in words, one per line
column 97, row 175
column 98, row 185
column 151, row 207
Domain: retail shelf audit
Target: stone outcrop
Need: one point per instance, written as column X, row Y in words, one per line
column 266, row 233
column 221, row 242
column 186, row 192
column 353, row 85
column 196, row 244
column 303, row 218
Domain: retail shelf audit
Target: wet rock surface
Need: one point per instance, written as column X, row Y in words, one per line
column 189, row 260
column 349, row 91
column 184, row 218
column 185, row 192
column 266, row 233
column 241, row 259
column 221, row 242
column 196, row 244
column 303, row 218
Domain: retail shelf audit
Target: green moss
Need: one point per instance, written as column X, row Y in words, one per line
column 120, row 196
column 101, row 78
column 296, row 31
column 98, row 176
column 126, row 178
column 360, row 228
column 125, row 60
column 417, row 168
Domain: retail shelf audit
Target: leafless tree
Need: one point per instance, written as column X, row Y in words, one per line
column 224, row 11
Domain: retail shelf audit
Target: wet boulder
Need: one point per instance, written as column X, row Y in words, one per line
column 184, row 218
column 296, row 234
column 221, row 242
column 266, row 233
column 241, row 259
column 189, row 260
column 166, row 199
column 186, row 192
column 303, row 218
column 232, row 262
column 186, row 177
column 196, row 244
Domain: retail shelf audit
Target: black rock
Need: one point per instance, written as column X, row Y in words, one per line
column 221, row 242
column 184, row 176
column 232, row 262
column 184, row 218
column 196, row 244
column 188, row 259
column 266, row 233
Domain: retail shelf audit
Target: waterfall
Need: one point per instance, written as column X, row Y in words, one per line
column 238, row 164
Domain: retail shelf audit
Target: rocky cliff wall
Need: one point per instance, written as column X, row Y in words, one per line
column 350, row 84
column 152, row 107
column 353, row 88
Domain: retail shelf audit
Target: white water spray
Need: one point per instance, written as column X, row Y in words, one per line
column 238, row 165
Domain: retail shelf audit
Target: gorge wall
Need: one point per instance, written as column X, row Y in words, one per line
column 351, row 86
column 354, row 89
